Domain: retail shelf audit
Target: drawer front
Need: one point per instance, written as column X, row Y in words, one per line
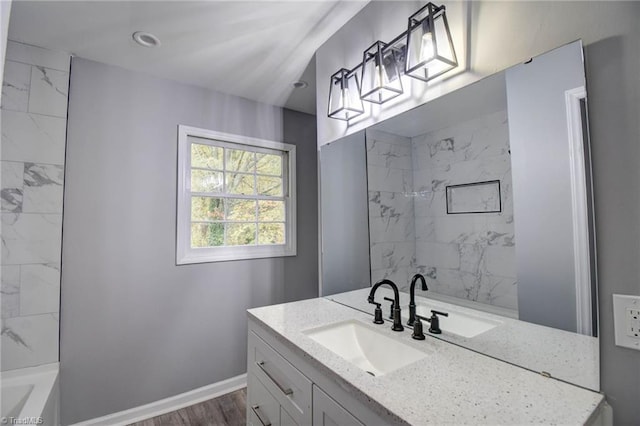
column 289, row 386
column 263, row 409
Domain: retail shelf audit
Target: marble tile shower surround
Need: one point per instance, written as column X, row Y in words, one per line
column 391, row 216
column 34, row 110
column 470, row 256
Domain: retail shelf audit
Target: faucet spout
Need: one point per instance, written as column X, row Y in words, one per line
column 412, row 301
column 397, row 322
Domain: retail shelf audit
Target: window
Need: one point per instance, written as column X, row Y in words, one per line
column 236, row 197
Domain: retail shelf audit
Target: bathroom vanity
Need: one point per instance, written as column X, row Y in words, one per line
column 301, row 372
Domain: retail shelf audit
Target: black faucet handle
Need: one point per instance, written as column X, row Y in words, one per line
column 434, row 321
column 418, row 334
column 377, row 314
column 393, row 305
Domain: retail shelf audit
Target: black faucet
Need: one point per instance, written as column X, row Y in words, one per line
column 434, row 327
column 397, row 322
column 412, row 302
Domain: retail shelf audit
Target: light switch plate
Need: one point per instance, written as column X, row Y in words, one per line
column 626, row 319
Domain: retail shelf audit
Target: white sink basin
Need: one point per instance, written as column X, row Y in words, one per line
column 456, row 323
column 365, row 347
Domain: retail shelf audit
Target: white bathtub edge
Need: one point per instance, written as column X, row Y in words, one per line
column 44, row 379
column 20, row 373
column 167, row 405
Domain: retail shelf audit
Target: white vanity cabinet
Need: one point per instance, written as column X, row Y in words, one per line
column 293, row 379
column 279, row 393
column 327, row 412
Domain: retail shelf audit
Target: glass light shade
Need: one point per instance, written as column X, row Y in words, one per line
column 430, row 51
column 380, row 75
column 344, row 95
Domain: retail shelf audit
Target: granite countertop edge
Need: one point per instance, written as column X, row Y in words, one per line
column 286, row 323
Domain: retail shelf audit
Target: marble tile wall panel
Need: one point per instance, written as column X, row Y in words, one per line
column 10, row 291
column 391, row 210
column 438, row 254
column 389, row 155
column 34, row 108
column 31, row 238
column 483, row 137
column 29, row 340
column 430, row 204
column 39, row 289
column 42, row 191
column 389, row 180
column 15, row 86
column 33, row 138
column 391, row 230
column 33, row 55
column 470, row 256
column 48, row 93
column 12, row 183
column 392, row 255
column 483, row 288
column 390, row 205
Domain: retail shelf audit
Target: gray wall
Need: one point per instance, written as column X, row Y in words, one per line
column 506, row 33
column 135, row 327
column 542, row 185
column 345, row 230
column 613, row 85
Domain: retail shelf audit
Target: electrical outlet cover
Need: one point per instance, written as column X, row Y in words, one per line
column 626, row 318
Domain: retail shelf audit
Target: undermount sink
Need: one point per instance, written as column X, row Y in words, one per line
column 456, row 323
column 363, row 346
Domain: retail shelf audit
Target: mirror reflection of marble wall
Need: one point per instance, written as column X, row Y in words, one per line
column 469, row 256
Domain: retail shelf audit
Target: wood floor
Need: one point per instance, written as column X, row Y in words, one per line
column 226, row 410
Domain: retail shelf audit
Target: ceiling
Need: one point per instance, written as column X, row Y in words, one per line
column 480, row 98
column 253, row 49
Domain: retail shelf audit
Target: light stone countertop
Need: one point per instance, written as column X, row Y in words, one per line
column 452, row 385
column 571, row 357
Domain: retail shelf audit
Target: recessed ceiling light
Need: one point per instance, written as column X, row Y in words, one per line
column 300, row 84
column 146, row 39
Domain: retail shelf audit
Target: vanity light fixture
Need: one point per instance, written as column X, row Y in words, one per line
column 344, row 95
column 430, row 50
column 380, row 75
column 424, row 51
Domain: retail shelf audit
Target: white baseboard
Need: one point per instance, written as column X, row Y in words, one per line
column 167, row 405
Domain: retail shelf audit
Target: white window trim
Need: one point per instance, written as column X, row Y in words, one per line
column 185, row 254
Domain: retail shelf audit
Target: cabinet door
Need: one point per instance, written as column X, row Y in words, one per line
column 262, row 408
column 327, row 412
column 286, row 419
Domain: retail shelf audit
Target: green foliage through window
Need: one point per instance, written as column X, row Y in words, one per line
column 237, row 197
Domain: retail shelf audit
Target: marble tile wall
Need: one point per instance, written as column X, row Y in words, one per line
column 470, row 256
column 34, row 119
column 391, row 216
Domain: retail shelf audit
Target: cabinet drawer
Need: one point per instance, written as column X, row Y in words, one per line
column 288, row 385
column 263, row 409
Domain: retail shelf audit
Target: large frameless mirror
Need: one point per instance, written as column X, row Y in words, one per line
column 486, row 192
